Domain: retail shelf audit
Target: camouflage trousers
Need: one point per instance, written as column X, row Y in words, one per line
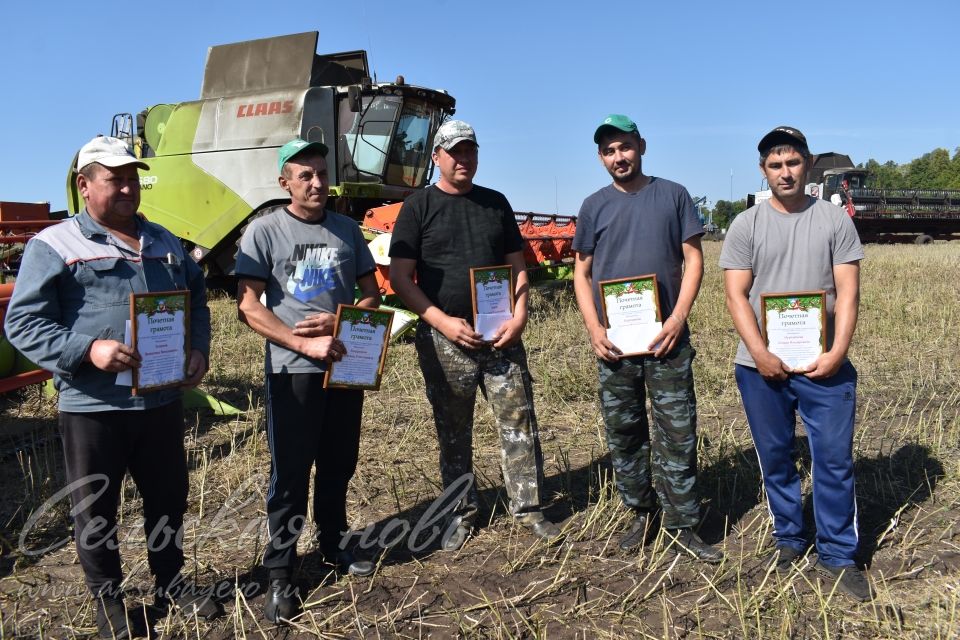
column 661, row 464
column 452, row 376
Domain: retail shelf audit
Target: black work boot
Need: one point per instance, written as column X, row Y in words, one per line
column 114, row 621
column 188, row 598
column 689, row 542
column 282, row 602
column 636, row 535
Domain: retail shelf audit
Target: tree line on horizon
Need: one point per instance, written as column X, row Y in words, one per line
column 933, row 170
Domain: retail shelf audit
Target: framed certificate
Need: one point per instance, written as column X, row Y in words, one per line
column 365, row 333
column 631, row 313
column 491, row 289
column 160, row 332
column 793, row 325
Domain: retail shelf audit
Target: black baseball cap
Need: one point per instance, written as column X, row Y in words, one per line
column 782, row 135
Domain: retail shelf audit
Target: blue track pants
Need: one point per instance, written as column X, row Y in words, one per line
column 827, row 408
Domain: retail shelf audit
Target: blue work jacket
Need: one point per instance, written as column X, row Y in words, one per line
column 74, row 287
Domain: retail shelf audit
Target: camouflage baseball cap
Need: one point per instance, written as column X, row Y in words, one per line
column 616, row 121
column 296, row 146
column 453, row 131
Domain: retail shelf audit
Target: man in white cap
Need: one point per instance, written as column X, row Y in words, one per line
column 307, row 261
column 68, row 314
column 441, row 233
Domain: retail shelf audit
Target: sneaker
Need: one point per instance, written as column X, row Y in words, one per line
column 784, row 556
column 115, row 621
column 686, row 540
column 282, row 601
column 636, row 536
column 849, row 579
column 189, row 599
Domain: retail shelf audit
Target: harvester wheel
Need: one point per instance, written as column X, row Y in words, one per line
column 923, row 239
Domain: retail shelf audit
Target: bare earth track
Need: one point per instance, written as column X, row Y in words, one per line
column 504, row 584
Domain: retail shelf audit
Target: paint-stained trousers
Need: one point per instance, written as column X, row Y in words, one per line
column 452, row 376
column 827, row 408
column 662, row 463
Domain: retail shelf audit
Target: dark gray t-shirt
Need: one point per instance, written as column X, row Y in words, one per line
column 633, row 234
column 790, row 252
column 307, row 267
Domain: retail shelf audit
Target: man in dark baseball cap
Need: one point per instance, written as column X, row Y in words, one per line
column 788, row 243
column 783, row 135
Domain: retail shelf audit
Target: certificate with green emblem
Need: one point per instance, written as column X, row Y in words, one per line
column 365, row 333
column 492, row 291
column 160, row 332
column 631, row 313
column 793, row 325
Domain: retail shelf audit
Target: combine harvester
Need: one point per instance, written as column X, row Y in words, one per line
column 19, row 221
column 213, row 160
column 881, row 215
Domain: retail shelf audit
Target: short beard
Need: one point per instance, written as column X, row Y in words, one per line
column 625, row 179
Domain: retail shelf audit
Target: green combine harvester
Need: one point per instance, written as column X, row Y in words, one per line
column 213, row 161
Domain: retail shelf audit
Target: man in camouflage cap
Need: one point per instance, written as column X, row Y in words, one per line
column 441, row 233
column 641, row 225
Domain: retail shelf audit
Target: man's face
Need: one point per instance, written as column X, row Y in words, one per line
column 785, row 173
column 620, row 154
column 307, row 182
column 111, row 192
column 458, row 165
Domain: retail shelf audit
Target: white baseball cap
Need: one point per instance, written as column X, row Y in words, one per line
column 110, row 152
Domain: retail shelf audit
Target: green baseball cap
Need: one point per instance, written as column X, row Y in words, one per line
column 616, row 121
column 297, row 146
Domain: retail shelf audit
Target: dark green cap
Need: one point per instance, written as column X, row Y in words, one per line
column 297, row 146
column 616, row 121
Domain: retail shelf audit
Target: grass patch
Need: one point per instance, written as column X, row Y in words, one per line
column 504, row 584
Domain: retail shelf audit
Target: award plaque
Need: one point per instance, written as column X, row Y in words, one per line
column 365, row 333
column 793, row 325
column 492, row 291
column 631, row 313
column 160, row 332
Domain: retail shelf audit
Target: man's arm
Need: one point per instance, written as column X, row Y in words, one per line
column 256, row 316
column 583, row 289
column 689, row 288
column 34, row 321
column 846, row 277
column 737, row 283
column 456, row 330
column 510, row 331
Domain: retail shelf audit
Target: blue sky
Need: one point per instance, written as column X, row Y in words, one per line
column 704, row 80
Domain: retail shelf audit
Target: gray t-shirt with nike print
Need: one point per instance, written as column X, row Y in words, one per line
column 307, row 267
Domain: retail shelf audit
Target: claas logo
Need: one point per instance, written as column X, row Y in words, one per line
column 264, row 108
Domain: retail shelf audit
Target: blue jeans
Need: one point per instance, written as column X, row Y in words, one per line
column 827, row 408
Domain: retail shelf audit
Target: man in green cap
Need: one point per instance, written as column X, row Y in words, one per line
column 636, row 226
column 306, row 260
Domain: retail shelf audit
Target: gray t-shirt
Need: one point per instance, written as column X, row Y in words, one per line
column 790, row 252
column 633, row 234
column 307, row 267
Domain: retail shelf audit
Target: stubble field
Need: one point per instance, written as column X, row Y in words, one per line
column 504, row 583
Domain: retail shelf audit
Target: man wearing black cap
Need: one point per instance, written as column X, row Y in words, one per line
column 641, row 225
column 795, row 243
column 68, row 314
column 306, row 260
